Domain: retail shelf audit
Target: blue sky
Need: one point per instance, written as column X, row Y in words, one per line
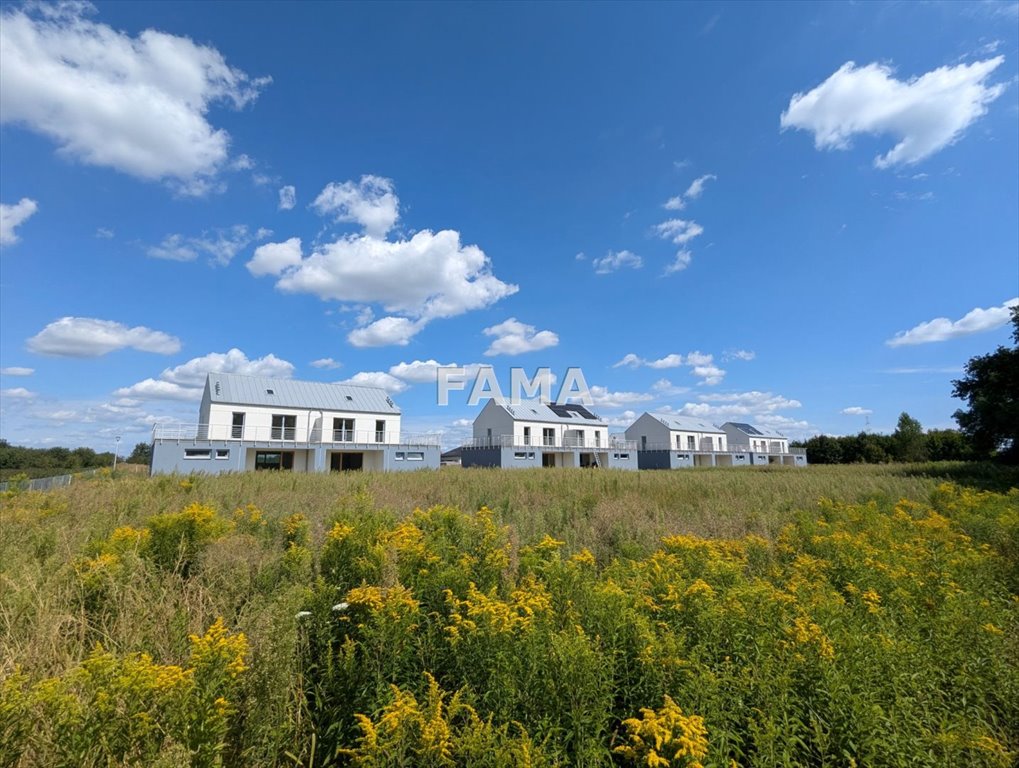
column 805, row 216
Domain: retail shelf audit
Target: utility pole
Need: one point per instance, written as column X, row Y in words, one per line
column 116, row 450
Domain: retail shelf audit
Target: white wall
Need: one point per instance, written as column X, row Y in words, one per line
column 308, row 426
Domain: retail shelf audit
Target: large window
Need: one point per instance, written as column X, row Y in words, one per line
column 548, row 437
column 527, row 435
column 274, row 460
column 237, row 426
column 691, row 443
column 343, row 430
column 284, row 427
column 380, row 431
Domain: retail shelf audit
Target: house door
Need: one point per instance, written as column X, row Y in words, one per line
column 548, row 459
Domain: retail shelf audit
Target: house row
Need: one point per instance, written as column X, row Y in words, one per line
column 252, row 423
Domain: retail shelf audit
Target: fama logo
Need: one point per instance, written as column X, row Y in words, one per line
column 522, row 387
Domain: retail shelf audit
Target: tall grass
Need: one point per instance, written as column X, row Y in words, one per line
column 580, row 618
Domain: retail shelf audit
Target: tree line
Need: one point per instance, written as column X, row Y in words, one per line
column 42, row 462
column 909, row 442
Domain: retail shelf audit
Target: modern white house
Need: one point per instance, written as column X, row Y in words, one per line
column 669, row 441
column 250, row 423
column 765, row 446
column 538, row 434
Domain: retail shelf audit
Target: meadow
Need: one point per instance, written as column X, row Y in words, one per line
column 828, row 616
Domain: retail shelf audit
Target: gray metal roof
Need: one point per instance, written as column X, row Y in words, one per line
column 235, row 389
column 686, row 423
column 753, row 431
column 535, row 410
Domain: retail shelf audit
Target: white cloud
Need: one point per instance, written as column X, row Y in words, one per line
column 427, row 277
column 420, row 371
column 738, row 354
column 386, row 331
column 391, row 384
column 925, row 114
column 513, row 338
column 138, row 105
column 674, row 203
column 104, row 233
column 678, row 231
column 220, row 245
column 13, row 215
column 288, row 197
column 371, row 202
column 242, row 163
column 630, row 361
column 17, row 371
column 185, row 381
column 856, row 410
column 730, row 404
column 709, row 374
column 89, row 337
column 326, row 363
column 681, row 262
column 696, row 188
column 942, row 329
column 604, row 398
column 699, row 358
column 17, row 393
column 665, row 388
column 669, row 361
column 614, row 260
column 275, row 258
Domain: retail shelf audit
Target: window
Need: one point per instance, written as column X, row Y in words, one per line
column 527, row 435
column 520, row 455
column 269, row 392
column 197, row 453
column 400, row 455
column 380, row 431
column 415, row 455
column 597, row 439
column 343, row 430
column 284, row 427
column 678, row 445
column 709, row 443
column 624, row 456
column 548, row 437
column 222, row 453
column 691, row 442
column 530, row 454
column 237, row 426
column 274, row 460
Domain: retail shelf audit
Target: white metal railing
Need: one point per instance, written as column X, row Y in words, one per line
column 716, row 449
column 285, row 435
column 513, row 441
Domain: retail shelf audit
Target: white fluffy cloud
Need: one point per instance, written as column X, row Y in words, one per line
column 326, row 363
column 386, row 331
column 274, row 258
column 514, row 338
column 17, row 393
column 856, row 410
column 701, row 365
column 943, row 329
column 380, row 379
column 738, row 354
column 604, row 398
column 220, row 245
column 615, row 260
column 679, row 231
column 731, row 404
column 417, row 280
column 418, row 371
column 13, row 215
column 288, row 197
column 696, row 188
column 185, row 381
column 925, row 114
column 89, row 337
column 16, row 370
column 371, row 202
column 136, row 104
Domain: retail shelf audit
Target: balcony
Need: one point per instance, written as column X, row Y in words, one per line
column 195, row 433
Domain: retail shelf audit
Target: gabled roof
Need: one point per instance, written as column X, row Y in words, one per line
column 686, row 423
column 570, row 413
column 755, row 432
column 235, row 389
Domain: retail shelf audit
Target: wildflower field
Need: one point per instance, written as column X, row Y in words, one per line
column 832, row 616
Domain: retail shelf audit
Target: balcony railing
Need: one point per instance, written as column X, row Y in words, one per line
column 716, row 449
column 513, row 441
column 193, row 433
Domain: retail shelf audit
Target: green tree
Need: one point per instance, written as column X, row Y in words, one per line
column 142, row 454
column 991, row 389
column 908, row 441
